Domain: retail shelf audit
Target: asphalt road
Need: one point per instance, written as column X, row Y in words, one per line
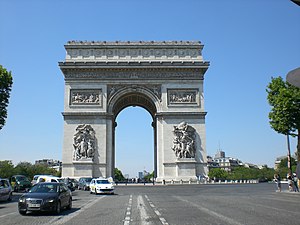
column 236, row 204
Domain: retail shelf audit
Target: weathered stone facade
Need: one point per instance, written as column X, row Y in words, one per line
column 165, row 78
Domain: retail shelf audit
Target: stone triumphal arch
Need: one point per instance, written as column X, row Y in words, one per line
column 102, row 78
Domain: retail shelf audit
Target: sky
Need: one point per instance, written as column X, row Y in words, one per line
column 246, row 43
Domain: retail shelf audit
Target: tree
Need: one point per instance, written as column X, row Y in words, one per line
column 284, row 99
column 5, row 88
column 6, row 169
column 149, row 177
column 118, row 175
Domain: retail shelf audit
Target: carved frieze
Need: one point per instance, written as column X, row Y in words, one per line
column 153, row 88
column 86, row 97
column 184, row 141
column 135, row 74
column 182, row 96
column 84, row 143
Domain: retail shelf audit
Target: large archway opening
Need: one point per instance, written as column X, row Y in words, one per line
column 134, row 145
column 134, row 134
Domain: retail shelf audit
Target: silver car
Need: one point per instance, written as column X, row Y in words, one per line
column 5, row 190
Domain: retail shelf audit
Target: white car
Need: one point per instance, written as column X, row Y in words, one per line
column 101, row 186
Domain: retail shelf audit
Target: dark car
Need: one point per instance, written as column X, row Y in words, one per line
column 84, row 183
column 47, row 196
column 20, row 182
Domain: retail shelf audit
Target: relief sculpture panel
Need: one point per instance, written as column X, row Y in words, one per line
column 86, row 97
column 182, row 96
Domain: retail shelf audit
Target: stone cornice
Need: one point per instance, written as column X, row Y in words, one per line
column 162, row 51
column 198, row 115
column 87, row 115
column 133, row 43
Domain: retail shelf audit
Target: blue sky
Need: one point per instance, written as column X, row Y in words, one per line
column 246, row 42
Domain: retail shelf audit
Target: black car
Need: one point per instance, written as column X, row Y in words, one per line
column 20, row 182
column 48, row 196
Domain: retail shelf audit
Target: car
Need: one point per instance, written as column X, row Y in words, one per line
column 84, row 183
column 74, row 182
column 49, row 178
column 46, row 196
column 19, row 183
column 35, row 177
column 101, row 186
column 70, row 183
column 5, row 190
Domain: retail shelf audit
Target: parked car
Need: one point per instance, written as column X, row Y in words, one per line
column 5, row 190
column 101, row 186
column 20, row 182
column 46, row 196
column 84, row 183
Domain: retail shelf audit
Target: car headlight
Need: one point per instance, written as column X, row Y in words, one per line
column 50, row 200
column 22, row 200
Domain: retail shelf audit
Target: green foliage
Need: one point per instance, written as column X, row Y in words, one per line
column 6, row 82
column 7, row 169
column 149, row 177
column 118, row 175
column 242, row 173
column 284, row 99
column 284, row 163
column 217, row 173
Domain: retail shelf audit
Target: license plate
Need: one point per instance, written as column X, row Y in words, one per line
column 34, row 205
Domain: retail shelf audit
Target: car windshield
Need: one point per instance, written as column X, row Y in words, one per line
column 44, row 188
column 3, row 184
column 102, row 182
column 88, row 179
column 22, row 178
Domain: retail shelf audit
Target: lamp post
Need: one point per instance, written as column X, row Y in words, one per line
column 289, row 155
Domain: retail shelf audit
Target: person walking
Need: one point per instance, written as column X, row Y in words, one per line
column 277, row 179
column 295, row 181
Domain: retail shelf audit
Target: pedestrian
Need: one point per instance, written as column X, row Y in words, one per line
column 290, row 182
column 295, row 180
column 278, row 181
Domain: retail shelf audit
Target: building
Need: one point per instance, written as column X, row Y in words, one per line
column 55, row 164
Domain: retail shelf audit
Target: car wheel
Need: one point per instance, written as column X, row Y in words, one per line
column 70, row 204
column 58, row 208
column 96, row 191
column 23, row 213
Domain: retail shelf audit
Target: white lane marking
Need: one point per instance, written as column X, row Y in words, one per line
column 65, row 218
column 128, row 212
column 162, row 219
column 144, row 217
column 210, row 212
column 8, row 214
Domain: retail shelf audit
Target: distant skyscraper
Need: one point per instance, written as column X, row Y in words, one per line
column 220, row 154
column 141, row 175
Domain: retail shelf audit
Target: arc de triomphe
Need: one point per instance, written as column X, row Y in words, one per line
column 102, row 78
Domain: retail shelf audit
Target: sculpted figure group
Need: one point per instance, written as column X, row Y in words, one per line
column 184, row 141
column 84, row 142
